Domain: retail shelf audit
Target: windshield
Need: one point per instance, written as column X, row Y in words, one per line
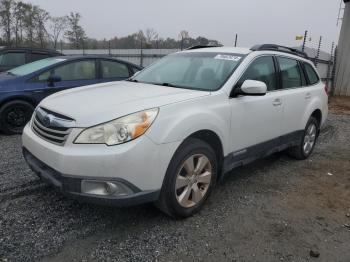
column 35, row 66
column 192, row 70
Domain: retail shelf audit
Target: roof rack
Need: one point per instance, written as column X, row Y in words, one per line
column 279, row 48
column 201, row 46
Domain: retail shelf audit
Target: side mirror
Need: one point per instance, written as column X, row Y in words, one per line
column 252, row 88
column 53, row 79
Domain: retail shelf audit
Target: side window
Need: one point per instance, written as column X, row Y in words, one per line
column 44, row 76
column 311, row 74
column 12, row 59
column 290, row 73
column 111, row 69
column 262, row 69
column 38, row 56
column 81, row 70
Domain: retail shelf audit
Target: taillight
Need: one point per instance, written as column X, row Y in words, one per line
column 326, row 90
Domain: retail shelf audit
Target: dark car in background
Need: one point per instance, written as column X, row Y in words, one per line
column 22, row 88
column 11, row 57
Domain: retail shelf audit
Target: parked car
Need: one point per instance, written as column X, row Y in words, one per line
column 22, row 88
column 170, row 133
column 11, row 57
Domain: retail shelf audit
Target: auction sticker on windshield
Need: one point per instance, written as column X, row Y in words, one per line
column 228, row 57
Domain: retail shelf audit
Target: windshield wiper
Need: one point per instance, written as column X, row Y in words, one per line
column 168, row 84
column 132, row 80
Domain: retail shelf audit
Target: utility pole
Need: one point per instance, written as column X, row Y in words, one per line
column 182, row 42
column 329, row 69
column 236, row 38
column 141, row 58
column 318, row 51
column 304, row 42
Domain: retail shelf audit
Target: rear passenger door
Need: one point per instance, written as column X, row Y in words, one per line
column 113, row 71
column 295, row 94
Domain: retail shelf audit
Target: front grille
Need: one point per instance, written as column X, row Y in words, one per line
column 56, row 132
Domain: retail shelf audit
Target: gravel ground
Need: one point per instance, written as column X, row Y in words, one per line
column 276, row 209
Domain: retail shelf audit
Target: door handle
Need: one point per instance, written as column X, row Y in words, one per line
column 277, row 102
column 308, row 96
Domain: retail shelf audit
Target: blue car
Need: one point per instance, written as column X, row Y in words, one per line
column 22, row 88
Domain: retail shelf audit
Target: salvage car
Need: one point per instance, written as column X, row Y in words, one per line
column 22, row 88
column 173, row 130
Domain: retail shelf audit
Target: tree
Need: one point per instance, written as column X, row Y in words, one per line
column 19, row 14
column 29, row 23
column 151, row 35
column 140, row 37
column 75, row 34
column 6, row 19
column 40, row 19
column 57, row 26
column 183, row 36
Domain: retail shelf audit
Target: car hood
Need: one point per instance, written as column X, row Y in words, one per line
column 96, row 104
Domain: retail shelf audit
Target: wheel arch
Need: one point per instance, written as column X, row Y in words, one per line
column 314, row 109
column 214, row 141
column 318, row 115
column 18, row 98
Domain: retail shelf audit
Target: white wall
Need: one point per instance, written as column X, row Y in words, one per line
column 342, row 83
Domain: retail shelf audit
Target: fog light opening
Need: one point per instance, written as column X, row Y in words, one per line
column 104, row 188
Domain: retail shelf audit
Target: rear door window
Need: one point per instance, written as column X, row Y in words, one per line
column 290, row 73
column 113, row 69
column 311, row 74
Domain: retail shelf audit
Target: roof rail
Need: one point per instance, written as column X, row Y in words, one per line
column 279, row 48
column 201, row 46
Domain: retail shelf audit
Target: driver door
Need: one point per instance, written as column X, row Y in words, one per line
column 256, row 120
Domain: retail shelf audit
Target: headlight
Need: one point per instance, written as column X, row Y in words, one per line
column 120, row 130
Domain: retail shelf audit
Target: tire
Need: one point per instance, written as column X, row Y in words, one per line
column 14, row 116
column 194, row 185
column 302, row 151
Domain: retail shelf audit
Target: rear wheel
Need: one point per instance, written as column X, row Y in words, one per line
column 14, row 116
column 307, row 141
column 189, row 179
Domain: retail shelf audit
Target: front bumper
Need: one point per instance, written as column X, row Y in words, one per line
column 71, row 186
column 140, row 164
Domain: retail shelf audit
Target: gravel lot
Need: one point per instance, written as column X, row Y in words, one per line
column 276, row 209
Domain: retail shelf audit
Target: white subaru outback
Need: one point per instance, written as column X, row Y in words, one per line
column 170, row 132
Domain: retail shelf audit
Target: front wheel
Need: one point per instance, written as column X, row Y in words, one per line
column 307, row 142
column 14, row 116
column 189, row 179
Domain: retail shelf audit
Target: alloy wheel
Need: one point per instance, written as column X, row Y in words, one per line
column 310, row 138
column 193, row 180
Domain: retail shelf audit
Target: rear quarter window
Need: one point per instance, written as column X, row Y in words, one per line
column 311, row 74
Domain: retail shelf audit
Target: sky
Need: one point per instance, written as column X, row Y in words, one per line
column 255, row 21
